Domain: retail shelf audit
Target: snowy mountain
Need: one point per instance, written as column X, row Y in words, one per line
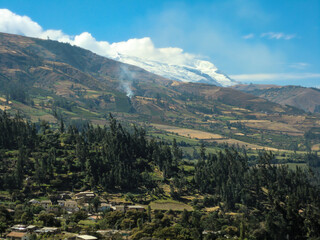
column 197, row 71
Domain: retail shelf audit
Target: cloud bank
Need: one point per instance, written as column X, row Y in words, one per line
column 142, row 48
column 274, row 77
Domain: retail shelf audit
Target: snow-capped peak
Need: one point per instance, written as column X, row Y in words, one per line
column 195, row 71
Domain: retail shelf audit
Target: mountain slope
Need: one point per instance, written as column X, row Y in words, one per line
column 307, row 99
column 48, row 80
column 43, row 63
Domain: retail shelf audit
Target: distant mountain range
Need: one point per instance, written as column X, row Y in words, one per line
column 307, row 99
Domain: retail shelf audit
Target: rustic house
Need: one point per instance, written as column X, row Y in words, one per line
column 18, row 236
column 85, row 196
column 136, row 207
column 19, row 228
column 71, row 206
column 46, row 204
column 61, row 203
column 86, row 237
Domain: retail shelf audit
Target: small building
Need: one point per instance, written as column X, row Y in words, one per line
column 85, row 195
column 61, row 203
column 114, row 203
column 48, row 230
column 71, row 206
column 114, row 234
column 11, row 211
column 34, row 201
column 19, row 228
column 104, row 207
column 137, row 208
column 69, row 236
column 18, row 236
column 85, row 206
column 31, row 228
column 46, row 204
column 64, row 196
column 86, row 237
column 94, row 217
column 121, row 208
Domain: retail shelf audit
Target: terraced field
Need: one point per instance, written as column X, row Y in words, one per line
column 210, row 137
column 188, row 132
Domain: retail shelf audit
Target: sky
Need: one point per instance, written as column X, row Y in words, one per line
column 266, row 41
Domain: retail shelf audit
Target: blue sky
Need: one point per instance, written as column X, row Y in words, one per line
column 265, row 41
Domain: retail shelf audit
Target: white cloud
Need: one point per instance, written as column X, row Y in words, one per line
column 278, row 35
column 299, row 65
column 85, row 40
column 142, row 48
column 274, row 76
column 251, row 35
column 13, row 23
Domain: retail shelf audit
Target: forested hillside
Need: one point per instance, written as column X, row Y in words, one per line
column 232, row 195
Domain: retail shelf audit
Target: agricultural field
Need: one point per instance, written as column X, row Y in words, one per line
column 196, row 134
column 210, row 137
column 169, row 205
column 271, row 126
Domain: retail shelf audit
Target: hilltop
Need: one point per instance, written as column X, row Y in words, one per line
column 307, row 99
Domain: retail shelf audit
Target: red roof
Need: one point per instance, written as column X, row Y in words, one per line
column 16, row 234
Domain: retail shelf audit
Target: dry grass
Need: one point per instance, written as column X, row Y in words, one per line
column 145, row 98
column 240, row 109
column 46, row 117
column 316, row 147
column 100, row 122
column 239, row 134
column 3, row 104
column 192, row 197
column 188, row 132
column 117, row 197
column 290, row 119
column 271, row 126
column 4, row 107
column 233, row 213
column 63, row 88
column 246, row 145
column 275, row 126
column 249, row 121
column 212, row 209
column 176, row 83
column 210, row 137
column 169, row 205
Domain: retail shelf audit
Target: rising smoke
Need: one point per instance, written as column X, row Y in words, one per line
column 127, row 88
column 126, row 78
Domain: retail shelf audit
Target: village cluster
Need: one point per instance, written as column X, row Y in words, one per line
column 71, row 203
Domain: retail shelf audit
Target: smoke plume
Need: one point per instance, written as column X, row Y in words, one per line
column 126, row 78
